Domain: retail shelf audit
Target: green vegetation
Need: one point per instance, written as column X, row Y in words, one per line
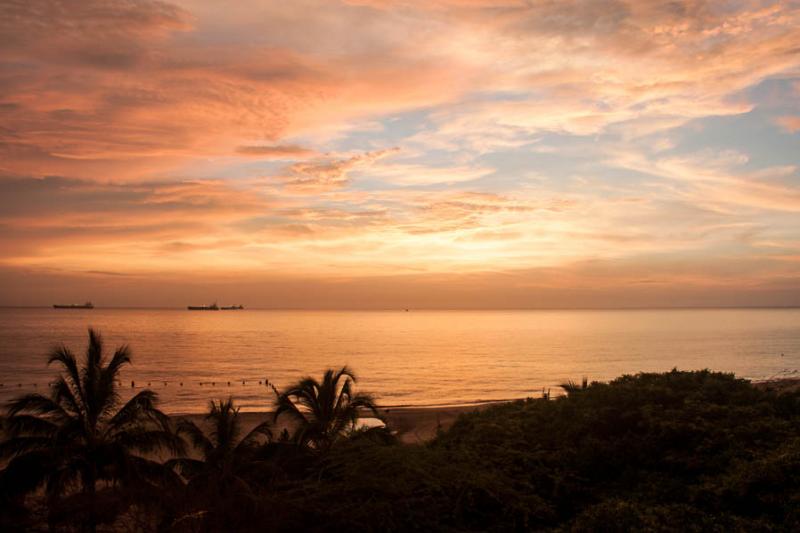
column 678, row 451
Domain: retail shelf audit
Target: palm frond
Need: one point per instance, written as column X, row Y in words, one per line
column 94, row 351
column 287, row 407
column 196, row 437
column 26, row 472
column 188, row 468
column 36, row 404
column 571, row 387
column 62, row 394
column 66, row 358
column 122, row 356
column 23, row 424
column 264, row 429
column 346, row 372
column 20, row 445
column 363, row 400
column 107, row 386
column 225, row 424
column 95, row 398
column 344, row 394
column 62, row 477
column 324, row 410
column 150, row 440
column 139, row 409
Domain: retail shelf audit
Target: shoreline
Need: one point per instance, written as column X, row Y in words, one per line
column 418, row 424
column 413, row 425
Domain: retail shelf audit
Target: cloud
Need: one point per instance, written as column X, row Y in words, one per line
column 83, row 225
column 717, row 180
column 585, row 68
column 421, row 175
column 101, row 34
column 789, row 123
column 288, row 151
column 531, row 136
column 140, row 88
column 328, row 174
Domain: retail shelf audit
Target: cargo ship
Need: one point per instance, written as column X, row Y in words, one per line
column 212, row 307
column 87, row 305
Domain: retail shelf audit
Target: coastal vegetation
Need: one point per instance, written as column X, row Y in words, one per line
column 674, row 451
column 324, row 412
column 87, row 453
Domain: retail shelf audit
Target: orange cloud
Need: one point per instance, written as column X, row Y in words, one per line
column 135, row 90
column 275, row 151
column 789, row 123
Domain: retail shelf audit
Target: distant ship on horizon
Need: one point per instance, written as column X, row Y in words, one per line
column 214, row 307
column 87, row 305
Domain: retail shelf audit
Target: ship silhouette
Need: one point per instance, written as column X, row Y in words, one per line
column 87, row 305
column 214, row 307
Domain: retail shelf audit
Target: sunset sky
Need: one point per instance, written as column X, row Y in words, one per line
column 417, row 153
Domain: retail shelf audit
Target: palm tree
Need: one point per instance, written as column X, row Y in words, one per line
column 324, row 412
column 570, row 387
column 78, row 439
column 218, row 483
column 222, row 451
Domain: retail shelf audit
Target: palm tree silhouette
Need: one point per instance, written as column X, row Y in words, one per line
column 219, row 482
column 223, row 453
column 323, row 412
column 79, row 440
column 570, row 387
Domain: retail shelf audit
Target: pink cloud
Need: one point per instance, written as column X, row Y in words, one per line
column 789, row 123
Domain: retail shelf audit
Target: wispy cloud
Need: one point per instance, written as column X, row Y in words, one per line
column 328, row 173
column 287, row 151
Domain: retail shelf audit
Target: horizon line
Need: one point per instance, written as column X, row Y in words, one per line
column 409, row 309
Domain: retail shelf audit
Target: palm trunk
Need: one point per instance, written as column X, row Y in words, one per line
column 90, row 490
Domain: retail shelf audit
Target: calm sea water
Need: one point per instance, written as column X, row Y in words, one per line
column 414, row 358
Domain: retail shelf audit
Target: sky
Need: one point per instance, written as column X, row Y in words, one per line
column 411, row 153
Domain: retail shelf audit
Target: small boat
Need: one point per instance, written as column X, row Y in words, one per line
column 87, row 305
column 231, row 307
column 212, row 307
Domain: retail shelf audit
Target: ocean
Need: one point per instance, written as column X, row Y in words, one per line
column 416, row 358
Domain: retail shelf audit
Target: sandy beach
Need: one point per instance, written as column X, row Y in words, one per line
column 413, row 425
column 779, row 384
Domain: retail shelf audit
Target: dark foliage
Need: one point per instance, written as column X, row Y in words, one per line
column 219, row 493
column 326, row 411
column 679, row 451
column 82, row 447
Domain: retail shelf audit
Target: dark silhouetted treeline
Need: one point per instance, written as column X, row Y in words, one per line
column 676, row 451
